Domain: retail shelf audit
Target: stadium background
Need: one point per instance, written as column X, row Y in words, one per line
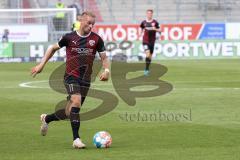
column 195, row 28
column 199, row 47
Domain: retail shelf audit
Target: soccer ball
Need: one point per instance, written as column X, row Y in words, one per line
column 102, row 139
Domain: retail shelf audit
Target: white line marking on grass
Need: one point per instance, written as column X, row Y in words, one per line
column 217, row 88
column 234, row 122
column 187, row 82
column 29, row 84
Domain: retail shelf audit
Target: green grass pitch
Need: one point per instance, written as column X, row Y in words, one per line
column 206, row 93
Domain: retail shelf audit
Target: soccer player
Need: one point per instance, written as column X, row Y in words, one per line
column 149, row 28
column 81, row 47
column 5, row 36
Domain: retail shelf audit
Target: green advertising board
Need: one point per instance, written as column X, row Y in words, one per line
column 199, row 49
column 205, row 49
column 6, row 50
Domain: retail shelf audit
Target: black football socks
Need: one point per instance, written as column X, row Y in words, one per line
column 148, row 61
column 75, row 121
column 58, row 115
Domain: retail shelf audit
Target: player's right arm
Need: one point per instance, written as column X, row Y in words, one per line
column 49, row 53
column 142, row 28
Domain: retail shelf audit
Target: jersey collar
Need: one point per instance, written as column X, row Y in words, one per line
column 83, row 36
column 149, row 21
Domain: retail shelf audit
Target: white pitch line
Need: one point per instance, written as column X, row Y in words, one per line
column 28, row 84
column 216, row 88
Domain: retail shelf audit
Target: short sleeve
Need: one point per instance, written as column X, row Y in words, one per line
column 100, row 45
column 63, row 41
column 157, row 25
column 142, row 25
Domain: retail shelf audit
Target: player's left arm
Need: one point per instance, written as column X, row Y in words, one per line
column 105, row 63
column 157, row 28
column 142, row 28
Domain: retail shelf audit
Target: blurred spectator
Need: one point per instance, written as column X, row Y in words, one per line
column 76, row 5
column 77, row 24
column 5, row 36
column 59, row 20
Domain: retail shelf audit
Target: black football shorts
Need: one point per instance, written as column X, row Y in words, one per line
column 149, row 47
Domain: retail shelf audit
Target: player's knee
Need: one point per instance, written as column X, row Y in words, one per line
column 67, row 112
column 148, row 54
column 76, row 100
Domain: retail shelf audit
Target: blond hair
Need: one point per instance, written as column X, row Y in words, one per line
column 88, row 13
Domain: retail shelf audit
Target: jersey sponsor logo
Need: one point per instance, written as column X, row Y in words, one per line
column 82, row 50
column 91, row 42
column 149, row 28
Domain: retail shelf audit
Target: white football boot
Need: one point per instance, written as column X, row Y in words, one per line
column 44, row 125
column 78, row 144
